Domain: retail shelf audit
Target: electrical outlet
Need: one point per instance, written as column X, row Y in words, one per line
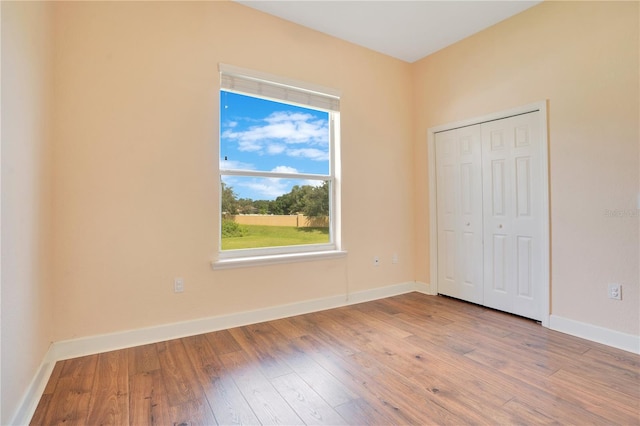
column 178, row 285
column 615, row 291
column 394, row 259
column 376, row 261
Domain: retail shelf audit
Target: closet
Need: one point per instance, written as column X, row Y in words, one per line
column 491, row 218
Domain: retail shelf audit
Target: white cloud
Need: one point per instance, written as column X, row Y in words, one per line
column 258, row 188
column 246, row 145
column 281, row 130
column 284, row 169
column 310, row 153
column 237, row 165
column 268, row 189
column 315, row 183
column 276, row 148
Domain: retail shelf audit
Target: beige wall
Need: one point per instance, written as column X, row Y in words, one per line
column 133, row 160
column 136, row 102
column 26, row 197
column 583, row 58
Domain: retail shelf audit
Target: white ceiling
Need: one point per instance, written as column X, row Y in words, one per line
column 407, row 30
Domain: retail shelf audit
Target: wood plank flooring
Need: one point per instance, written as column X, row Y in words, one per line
column 409, row 359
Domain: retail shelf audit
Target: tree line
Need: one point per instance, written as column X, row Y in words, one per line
column 306, row 199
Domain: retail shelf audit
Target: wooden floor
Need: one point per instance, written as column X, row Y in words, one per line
column 410, row 359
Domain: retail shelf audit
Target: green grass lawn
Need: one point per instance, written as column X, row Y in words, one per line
column 275, row 236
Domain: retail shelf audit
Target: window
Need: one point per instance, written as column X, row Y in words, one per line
column 279, row 168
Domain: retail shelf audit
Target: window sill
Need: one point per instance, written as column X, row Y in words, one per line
column 245, row 262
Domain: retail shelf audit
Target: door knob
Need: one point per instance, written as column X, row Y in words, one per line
column 468, row 223
column 500, row 226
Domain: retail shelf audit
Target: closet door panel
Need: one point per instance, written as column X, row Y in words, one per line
column 512, row 214
column 459, row 213
column 446, row 212
column 528, row 216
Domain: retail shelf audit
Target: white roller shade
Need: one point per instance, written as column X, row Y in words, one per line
column 276, row 88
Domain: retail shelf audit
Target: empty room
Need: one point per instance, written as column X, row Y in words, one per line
column 385, row 212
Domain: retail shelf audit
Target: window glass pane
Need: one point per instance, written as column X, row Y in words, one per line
column 272, row 212
column 263, row 135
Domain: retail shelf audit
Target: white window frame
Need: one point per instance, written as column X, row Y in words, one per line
column 273, row 88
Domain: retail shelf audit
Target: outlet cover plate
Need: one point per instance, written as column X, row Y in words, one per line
column 178, row 285
column 615, row 291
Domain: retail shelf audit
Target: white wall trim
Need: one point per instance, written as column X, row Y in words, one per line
column 606, row 336
column 433, row 224
column 34, row 391
column 245, row 262
column 107, row 342
column 424, row 288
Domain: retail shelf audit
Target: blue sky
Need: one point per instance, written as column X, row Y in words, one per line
column 257, row 134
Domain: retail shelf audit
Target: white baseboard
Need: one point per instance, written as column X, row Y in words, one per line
column 108, row 342
column 32, row 396
column 425, row 288
column 616, row 339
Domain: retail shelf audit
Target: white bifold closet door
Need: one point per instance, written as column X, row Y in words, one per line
column 489, row 213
